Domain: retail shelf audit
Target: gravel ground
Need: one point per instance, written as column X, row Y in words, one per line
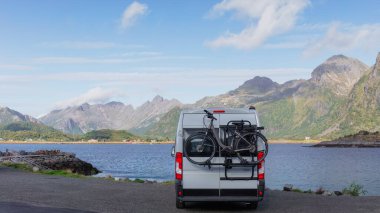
column 27, row 192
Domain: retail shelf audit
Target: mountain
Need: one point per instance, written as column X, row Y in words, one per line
column 17, row 126
column 166, row 127
column 113, row 115
column 342, row 96
column 21, row 131
column 363, row 108
column 339, row 73
column 8, row 116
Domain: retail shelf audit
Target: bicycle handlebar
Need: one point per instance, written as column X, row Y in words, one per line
column 210, row 115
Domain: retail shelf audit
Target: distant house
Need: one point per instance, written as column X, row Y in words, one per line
column 307, row 138
column 1, row 139
column 92, row 141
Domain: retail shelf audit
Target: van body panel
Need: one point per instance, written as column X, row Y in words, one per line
column 238, row 184
column 200, row 177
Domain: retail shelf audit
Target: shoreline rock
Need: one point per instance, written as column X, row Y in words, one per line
column 51, row 159
column 362, row 139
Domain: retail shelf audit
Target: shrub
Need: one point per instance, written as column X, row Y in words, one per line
column 354, row 190
column 138, row 180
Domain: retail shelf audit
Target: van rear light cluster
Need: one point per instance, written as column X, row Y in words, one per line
column 260, row 166
column 178, row 166
column 219, row 111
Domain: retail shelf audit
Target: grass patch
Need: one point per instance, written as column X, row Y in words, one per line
column 354, row 190
column 21, row 166
column 26, row 167
column 308, row 192
column 297, row 190
column 169, row 182
column 61, row 173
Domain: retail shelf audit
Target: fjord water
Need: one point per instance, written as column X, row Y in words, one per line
column 304, row 167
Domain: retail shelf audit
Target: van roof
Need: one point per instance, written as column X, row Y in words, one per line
column 227, row 110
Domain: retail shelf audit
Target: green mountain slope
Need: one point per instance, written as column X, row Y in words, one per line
column 301, row 115
column 21, row 131
column 166, row 127
column 364, row 105
column 109, row 135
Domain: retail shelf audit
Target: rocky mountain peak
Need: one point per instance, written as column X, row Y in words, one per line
column 115, row 104
column 157, row 99
column 258, row 85
column 8, row 115
column 339, row 73
column 84, row 107
column 338, row 58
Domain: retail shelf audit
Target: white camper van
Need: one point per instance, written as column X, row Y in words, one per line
column 213, row 162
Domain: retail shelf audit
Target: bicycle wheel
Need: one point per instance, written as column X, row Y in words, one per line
column 250, row 144
column 200, row 148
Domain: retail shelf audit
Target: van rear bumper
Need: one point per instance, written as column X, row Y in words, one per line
column 221, row 199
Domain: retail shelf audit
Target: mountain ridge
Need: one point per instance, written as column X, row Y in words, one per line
column 113, row 115
column 341, row 97
column 318, row 107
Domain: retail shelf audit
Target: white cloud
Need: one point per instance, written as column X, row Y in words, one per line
column 131, row 57
column 143, row 53
column 80, row 45
column 286, row 45
column 132, row 13
column 92, row 96
column 265, row 19
column 342, row 37
column 177, row 78
column 15, row 67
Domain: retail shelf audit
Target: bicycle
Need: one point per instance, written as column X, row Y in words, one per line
column 201, row 147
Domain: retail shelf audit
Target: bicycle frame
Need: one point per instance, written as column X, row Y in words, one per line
column 224, row 147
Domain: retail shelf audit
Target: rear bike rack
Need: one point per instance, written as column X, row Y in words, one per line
column 228, row 163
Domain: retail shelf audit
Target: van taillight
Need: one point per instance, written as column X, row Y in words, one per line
column 219, row 111
column 260, row 166
column 178, row 166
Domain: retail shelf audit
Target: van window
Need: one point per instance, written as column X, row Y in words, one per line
column 193, row 148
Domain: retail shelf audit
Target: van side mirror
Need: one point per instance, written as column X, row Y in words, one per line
column 173, row 151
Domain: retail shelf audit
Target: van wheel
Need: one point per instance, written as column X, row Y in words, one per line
column 179, row 204
column 253, row 205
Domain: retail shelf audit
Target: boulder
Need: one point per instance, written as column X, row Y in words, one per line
column 327, row 193
column 288, row 187
column 338, row 193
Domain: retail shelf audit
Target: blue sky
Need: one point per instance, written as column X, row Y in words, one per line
column 60, row 53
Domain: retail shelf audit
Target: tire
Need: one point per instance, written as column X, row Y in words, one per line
column 179, row 204
column 247, row 140
column 194, row 149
